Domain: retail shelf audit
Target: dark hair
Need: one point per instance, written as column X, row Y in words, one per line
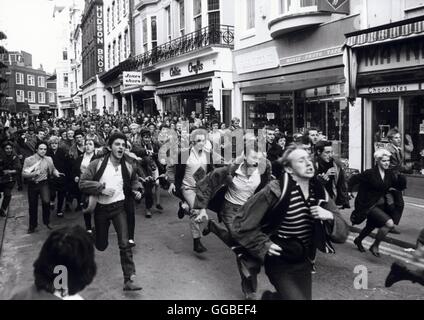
column 40, row 129
column 78, row 132
column 115, row 136
column 214, row 122
column 320, row 146
column 39, row 143
column 72, row 248
column 309, row 130
column 304, row 139
column 7, row 143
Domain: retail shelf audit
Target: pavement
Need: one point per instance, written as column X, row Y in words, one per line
column 168, row 269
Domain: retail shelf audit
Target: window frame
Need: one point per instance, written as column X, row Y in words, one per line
column 65, row 80
column 197, row 16
column 43, row 95
column 145, row 32
column 153, row 40
column 19, row 76
column 249, row 5
column 43, row 82
column 20, row 95
column 31, row 76
column 168, row 22
column 33, row 96
column 181, row 17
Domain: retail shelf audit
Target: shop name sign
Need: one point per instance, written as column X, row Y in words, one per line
column 257, row 60
column 399, row 88
column 187, row 69
column 391, row 56
column 311, row 56
column 195, row 67
column 132, row 78
column 100, row 39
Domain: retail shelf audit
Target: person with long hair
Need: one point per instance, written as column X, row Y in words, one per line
column 67, row 252
column 375, row 201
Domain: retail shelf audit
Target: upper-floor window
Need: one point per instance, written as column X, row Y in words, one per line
column 113, row 52
column 213, row 13
column 20, row 96
column 41, row 82
column 31, row 96
column 30, row 80
column 65, row 54
column 118, row 10
column 41, row 97
column 108, row 20
column 65, row 80
column 197, row 14
column 154, row 29
column 182, row 17
column 113, row 14
column 124, row 7
column 19, row 78
column 168, row 21
column 119, row 48
column 294, row 6
column 250, row 14
column 126, row 44
column 109, row 49
column 145, row 41
column 51, row 97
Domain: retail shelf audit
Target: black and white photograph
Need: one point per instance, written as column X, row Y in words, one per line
column 213, row 151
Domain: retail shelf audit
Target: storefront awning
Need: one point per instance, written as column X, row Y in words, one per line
column 183, row 88
column 391, row 32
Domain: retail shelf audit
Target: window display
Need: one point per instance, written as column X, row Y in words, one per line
column 414, row 134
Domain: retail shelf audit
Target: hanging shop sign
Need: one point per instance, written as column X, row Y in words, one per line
column 392, row 55
column 337, row 6
column 398, row 88
column 100, row 39
column 132, row 78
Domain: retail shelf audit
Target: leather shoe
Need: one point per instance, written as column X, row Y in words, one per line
column 198, row 246
column 130, row 285
column 374, row 251
column 207, row 228
column 268, row 295
column 359, row 245
column 48, row 227
column 181, row 212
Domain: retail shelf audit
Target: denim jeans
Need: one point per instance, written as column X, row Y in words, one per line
column 115, row 213
column 293, row 281
column 36, row 190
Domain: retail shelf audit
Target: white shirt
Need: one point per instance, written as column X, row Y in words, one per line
column 194, row 162
column 243, row 187
column 112, row 178
column 85, row 161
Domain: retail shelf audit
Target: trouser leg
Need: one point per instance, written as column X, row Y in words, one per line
column 45, row 202
column 102, row 223
column 33, row 205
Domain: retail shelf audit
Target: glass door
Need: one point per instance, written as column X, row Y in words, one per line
column 385, row 116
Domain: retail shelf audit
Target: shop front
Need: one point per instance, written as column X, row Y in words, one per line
column 201, row 84
column 389, row 78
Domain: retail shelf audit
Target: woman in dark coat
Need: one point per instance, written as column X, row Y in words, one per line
column 374, row 201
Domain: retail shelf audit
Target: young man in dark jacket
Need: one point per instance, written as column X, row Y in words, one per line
column 114, row 181
column 10, row 166
column 284, row 224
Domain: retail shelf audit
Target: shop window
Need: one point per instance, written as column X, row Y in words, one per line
column 385, row 116
column 414, row 134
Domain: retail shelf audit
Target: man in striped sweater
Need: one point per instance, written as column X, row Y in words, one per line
column 286, row 222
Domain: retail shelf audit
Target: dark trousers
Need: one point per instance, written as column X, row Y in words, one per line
column 87, row 220
column 148, row 195
column 293, row 281
column 115, row 213
column 248, row 266
column 36, row 190
column 57, row 190
column 7, row 194
column 130, row 210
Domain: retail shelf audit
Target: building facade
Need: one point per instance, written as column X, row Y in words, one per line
column 4, row 74
column 118, row 35
column 93, row 56
column 289, row 70
column 51, row 95
column 26, row 88
column 385, row 70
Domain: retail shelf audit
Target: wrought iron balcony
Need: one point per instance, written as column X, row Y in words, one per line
column 213, row 35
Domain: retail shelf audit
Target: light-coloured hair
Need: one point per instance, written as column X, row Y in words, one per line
column 53, row 139
column 380, row 153
column 285, row 159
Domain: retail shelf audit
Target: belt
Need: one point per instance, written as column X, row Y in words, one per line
column 111, row 205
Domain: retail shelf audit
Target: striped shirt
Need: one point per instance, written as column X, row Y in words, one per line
column 297, row 221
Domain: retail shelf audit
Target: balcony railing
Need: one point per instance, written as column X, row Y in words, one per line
column 214, row 35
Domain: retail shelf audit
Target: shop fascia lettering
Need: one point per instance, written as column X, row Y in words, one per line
column 195, row 67
column 390, row 89
column 100, row 39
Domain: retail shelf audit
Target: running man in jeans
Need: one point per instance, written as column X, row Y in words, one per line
column 114, row 181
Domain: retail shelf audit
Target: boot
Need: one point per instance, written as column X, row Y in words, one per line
column 198, row 246
column 400, row 272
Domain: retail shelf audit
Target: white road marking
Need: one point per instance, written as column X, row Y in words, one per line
column 415, row 205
